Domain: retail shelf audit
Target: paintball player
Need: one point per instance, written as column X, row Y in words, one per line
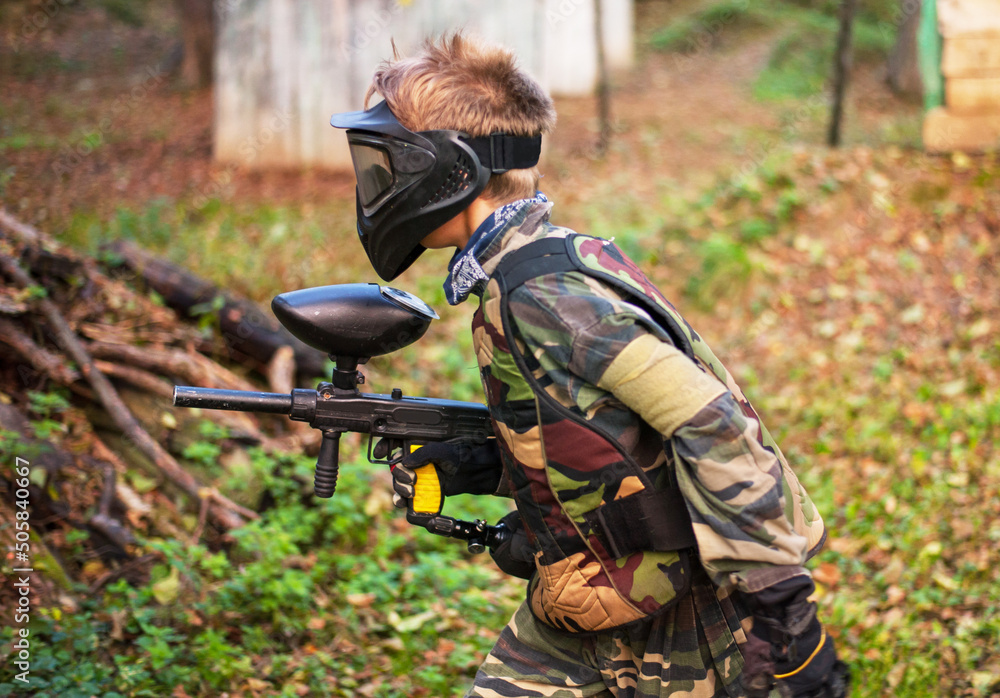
column 661, row 530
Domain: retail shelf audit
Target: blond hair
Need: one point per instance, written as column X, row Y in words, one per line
column 468, row 85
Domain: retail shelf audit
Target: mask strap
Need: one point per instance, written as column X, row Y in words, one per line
column 500, row 152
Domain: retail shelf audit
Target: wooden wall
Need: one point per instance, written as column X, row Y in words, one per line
column 284, row 66
column 970, row 66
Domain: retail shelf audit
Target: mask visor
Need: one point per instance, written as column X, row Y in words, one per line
column 373, row 169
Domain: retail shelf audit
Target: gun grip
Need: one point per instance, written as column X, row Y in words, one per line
column 327, row 465
column 427, row 495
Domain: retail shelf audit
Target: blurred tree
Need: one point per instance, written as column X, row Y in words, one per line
column 198, row 38
column 841, row 70
column 904, row 70
column 603, row 88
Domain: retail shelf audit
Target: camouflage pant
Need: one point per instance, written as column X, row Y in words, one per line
column 691, row 650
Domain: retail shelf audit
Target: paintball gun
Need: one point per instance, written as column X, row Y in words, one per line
column 351, row 323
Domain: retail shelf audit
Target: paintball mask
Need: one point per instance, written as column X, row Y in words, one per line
column 409, row 184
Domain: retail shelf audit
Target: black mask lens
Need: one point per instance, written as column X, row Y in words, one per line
column 373, row 169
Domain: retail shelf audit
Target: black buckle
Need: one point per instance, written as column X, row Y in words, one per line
column 498, row 153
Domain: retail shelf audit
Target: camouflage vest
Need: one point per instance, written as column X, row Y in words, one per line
column 613, row 541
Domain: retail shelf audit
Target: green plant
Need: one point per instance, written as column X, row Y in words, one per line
column 255, row 251
column 801, row 60
column 47, row 407
column 127, row 12
column 725, row 266
column 705, row 27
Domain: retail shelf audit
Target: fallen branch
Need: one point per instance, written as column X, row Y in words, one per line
column 189, row 366
column 202, row 518
column 226, row 513
column 239, row 423
column 135, row 505
column 247, row 329
column 149, row 333
column 38, row 357
column 103, row 521
column 281, row 370
column 137, row 377
column 25, row 232
column 51, row 256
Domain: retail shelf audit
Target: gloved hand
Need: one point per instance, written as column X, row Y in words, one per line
column 788, row 647
column 461, row 468
column 815, row 672
column 514, row 556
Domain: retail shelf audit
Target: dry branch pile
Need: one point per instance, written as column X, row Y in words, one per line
column 66, row 321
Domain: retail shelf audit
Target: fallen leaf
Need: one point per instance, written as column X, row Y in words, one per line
column 361, row 600
column 411, row 623
column 827, row 573
column 167, row 589
column 118, row 620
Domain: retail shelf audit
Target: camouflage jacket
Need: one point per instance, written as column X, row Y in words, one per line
column 568, row 379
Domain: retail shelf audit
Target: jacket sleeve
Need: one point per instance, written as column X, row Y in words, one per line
column 734, row 493
column 732, row 485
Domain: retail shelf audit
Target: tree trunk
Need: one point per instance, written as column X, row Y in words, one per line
column 904, row 68
column 198, row 37
column 603, row 83
column 841, row 70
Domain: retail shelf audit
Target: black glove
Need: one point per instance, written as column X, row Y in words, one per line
column 788, row 647
column 514, row 555
column 461, row 468
column 815, row 671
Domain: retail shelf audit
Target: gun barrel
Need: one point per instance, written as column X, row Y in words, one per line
column 238, row 400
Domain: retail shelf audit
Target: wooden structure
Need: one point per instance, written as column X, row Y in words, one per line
column 969, row 63
column 282, row 67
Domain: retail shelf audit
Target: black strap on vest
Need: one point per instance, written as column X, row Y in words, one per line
column 650, row 520
column 545, row 256
column 656, row 520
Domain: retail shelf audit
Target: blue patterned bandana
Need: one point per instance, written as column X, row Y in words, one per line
column 465, row 274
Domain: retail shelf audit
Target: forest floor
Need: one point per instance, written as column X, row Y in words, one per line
column 852, row 292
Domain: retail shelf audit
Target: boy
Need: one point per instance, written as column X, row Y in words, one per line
column 660, row 528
